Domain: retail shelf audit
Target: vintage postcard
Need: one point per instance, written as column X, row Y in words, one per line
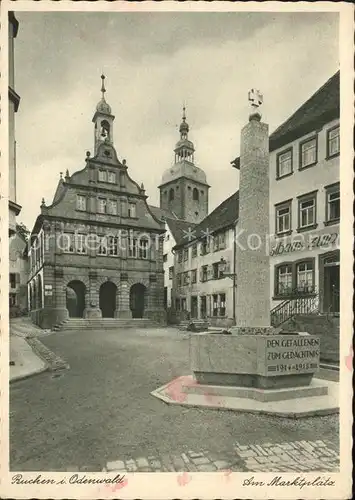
column 176, row 250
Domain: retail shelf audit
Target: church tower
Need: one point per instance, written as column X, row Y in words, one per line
column 184, row 188
column 103, row 120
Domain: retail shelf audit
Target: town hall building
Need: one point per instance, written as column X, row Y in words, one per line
column 97, row 249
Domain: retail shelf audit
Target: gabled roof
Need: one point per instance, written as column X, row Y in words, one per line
column 181, row 230
column 222, row 217
column 58, row 192
column 162, row 213
column 322, row 107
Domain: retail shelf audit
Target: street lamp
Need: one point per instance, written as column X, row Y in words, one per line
column 223, row 267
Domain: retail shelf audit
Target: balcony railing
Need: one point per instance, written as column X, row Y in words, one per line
column 299, row 291
column 298, row 304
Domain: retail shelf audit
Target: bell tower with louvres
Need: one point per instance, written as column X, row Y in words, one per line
column 184, row 188
column 103, row 120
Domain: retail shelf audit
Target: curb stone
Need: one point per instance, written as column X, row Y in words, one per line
column 53, row 361
column 29, row 375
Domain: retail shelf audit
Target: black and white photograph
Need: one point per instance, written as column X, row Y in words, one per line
column 176, row 298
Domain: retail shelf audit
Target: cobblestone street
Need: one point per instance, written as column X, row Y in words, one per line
column 99, row 415
column 297, row 456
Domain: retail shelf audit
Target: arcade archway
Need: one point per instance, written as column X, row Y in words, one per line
column 107, row 301
column 137, row 298
column 75, row 298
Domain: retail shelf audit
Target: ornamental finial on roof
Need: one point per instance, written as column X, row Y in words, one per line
column 184, row 127
column 184, row 113
column 103, row 90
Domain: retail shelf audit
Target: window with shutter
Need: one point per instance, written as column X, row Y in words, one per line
column 186, row 254
column 204, row 273
column 215, row 270
column 209, row 272
column 222, row 241
column 12, row 280
column 187, row 277
column 222, row 304
column 215, row 305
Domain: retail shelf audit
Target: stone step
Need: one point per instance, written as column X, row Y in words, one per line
column 105, row 323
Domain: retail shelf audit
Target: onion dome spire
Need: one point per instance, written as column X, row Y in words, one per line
column 184, row 126
column 102, row 106
column 184, row 149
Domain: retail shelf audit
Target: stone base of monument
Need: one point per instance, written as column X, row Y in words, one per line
column 254, row 371
column 255, row 358
column 185, row 391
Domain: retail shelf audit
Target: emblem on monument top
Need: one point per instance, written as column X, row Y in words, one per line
column 255, row 98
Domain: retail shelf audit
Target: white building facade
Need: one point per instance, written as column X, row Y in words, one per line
column 305, row 203
column 204, row 279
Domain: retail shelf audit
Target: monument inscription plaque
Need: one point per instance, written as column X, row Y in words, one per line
column 291, row 355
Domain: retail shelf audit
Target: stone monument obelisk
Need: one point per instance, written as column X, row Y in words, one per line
column 252, row 259
column 254, row 355
column 254, row 367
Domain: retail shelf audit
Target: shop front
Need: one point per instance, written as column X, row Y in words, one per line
column 307, row 265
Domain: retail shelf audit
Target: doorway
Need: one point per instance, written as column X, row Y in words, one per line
column 203, row 307
column 107, row 299
column 331, row 286
column 75, row 299
column 194, row 310
column 137, row 297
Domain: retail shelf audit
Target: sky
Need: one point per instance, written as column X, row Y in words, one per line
column 154, row 62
